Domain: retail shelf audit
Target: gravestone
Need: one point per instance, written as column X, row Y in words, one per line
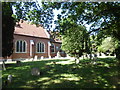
column 9, row 78
column 58, row 54
column 42, row 57
column 77, row 61
column 35, row 57
column 35, row 71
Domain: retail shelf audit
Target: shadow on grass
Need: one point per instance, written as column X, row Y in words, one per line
column 59, row 75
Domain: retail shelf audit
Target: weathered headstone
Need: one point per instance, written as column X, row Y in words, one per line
column 35, row 57
column 42, row 57
column 9, row 78
column 35, row 71
column 77, row 61
column 58, row 54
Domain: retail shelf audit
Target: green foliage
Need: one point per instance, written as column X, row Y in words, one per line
column 74, row 39
column 33, row 12
column 103, row 16
column 108, row 44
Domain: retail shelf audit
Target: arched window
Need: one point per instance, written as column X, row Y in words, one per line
column 52, row 48
column 20, row 46
column 40, row 47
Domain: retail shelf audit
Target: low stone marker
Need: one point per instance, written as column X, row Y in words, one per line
column 35, row 57
column 35, row 71
column 8, row 81
column 77, row 61
column 42, row 57
column 9, row 78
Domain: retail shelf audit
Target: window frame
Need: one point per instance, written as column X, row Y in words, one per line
column 20, row 46
column 41, row 46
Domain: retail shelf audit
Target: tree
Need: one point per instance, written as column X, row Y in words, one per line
column 7, row 30
column 108, row 44
column 26, row 11
column 74, row 39
column 103, row 17
column 35, row 13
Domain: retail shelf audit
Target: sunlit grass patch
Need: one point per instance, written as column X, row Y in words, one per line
column 70, row 77
column 66, row 62
column 63, row 74
column 43, row 78
column 22, row 67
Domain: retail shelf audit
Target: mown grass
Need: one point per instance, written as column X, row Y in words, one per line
column 64, row 74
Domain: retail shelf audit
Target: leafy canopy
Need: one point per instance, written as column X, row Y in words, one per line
column 108, row 44
column 103, row 16
column 74, row 39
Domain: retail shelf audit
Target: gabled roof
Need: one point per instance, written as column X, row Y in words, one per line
column 31, row 30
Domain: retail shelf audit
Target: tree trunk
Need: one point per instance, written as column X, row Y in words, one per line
column 117, row 52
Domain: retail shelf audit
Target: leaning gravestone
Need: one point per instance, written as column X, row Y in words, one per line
column 35, row 71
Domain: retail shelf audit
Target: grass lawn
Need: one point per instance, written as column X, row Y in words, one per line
column 65, row 74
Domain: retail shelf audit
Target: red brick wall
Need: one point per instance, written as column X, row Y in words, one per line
column 35, row 39
column 27, row 39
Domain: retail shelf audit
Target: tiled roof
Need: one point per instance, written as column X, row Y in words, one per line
column 31, row 30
